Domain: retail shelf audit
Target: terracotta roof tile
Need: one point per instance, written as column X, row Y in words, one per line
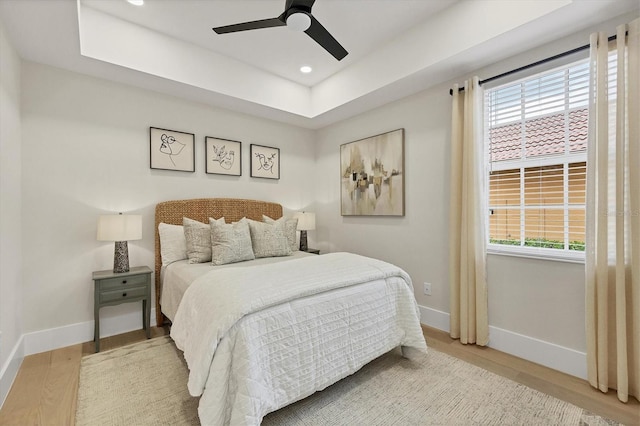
column 578, row 130
column 544, row 136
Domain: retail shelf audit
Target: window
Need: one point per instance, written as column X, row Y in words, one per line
column 536, row 140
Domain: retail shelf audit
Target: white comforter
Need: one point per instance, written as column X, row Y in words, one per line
column 291, row 345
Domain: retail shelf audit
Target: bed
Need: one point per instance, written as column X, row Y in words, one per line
column 260, row 334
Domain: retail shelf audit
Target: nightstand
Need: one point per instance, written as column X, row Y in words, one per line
column 312, row 250
column 115, row 288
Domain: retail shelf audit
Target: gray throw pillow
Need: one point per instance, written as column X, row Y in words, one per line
column 268, row 239
column 230, row 243
column 198, row 239
column 290, row 228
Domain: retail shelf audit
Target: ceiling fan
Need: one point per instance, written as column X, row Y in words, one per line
column 297, row 16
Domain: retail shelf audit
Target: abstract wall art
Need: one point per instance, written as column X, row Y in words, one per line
column 172, row 150
column 224, row 157
column 265, row 162
column 372, row 175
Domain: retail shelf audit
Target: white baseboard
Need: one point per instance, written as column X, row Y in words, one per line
column 434, row 318
column 535, row 350
column 55, row 338
column 10, row 369
column 548, row 354
column 59, row 337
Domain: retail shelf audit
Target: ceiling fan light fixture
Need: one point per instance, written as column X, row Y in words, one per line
column 298, row 21
column 297, row 16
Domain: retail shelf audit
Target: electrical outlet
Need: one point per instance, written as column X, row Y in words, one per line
column 427, row 289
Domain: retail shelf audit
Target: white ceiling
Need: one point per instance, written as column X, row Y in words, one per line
column 396, row 47
column 279, row 50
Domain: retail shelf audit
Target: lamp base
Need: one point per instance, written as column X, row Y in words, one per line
column 303, row 241
column 121, row 257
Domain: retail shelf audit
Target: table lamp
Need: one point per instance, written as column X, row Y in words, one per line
column 120, row 228
column 306, row 222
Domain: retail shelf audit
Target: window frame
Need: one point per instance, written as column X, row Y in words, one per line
column 565, row 159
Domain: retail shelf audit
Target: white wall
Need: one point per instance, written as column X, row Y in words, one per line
column 86, row 152
column 533, row 302
column 418, row 241
column 10, row 215
column 541, row 300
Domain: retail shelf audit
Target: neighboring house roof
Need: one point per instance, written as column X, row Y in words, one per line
column 543, row 136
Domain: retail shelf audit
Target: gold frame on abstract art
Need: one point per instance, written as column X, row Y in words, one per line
column 372, row 176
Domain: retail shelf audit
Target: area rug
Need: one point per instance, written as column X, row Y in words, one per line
column 146, row 384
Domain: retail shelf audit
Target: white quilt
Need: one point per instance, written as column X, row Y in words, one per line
column 255, row 340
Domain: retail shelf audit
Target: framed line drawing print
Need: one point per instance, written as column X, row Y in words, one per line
column 265, row 162
column 172, row 150
column 224, row 157
column 372, row 176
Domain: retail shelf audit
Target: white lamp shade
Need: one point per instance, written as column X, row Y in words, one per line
column 306, row 221
column 119, row 227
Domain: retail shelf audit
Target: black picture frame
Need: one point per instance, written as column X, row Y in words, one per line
column 223, row 156
column 265, row 162
column 171, row 150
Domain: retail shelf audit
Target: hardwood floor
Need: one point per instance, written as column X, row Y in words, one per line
column 46, row 387
column 560, row 385
column 45, row 390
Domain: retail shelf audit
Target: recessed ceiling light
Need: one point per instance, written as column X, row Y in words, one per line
column 306, row 69
column 136, row 2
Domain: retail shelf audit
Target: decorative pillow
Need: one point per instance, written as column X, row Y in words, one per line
column 290, row 228
column 268, row 239
column 230, row 243
column 173, row 246
column 198, row 237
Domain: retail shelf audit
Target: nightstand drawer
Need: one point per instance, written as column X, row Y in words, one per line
column 123, row 282
column 124, row 294
column 113, row 288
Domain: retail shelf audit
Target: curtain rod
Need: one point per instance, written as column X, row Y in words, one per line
column 535, row 64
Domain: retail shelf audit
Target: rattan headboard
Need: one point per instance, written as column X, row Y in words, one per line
column 201, row 209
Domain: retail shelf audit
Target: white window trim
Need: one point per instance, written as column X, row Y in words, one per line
column 542, row 161
column 561, row 255
column 564, row 255
column 572, row 256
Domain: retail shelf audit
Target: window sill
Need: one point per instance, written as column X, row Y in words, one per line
column 537, row 253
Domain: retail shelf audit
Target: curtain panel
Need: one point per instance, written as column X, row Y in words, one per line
column 467, row 242
column 612, row 258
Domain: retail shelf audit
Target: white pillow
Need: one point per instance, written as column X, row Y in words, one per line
column 173, row 246
column 268, row 239
column 290, row 228
column 230, row 243
column 198, row 237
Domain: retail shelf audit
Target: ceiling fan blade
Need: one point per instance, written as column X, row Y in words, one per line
column 252, row 25
column 319, row 33
column 299, row 4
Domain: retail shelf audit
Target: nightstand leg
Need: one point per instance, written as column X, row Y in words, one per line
column 96, row 329
column 146, row 319
column 114, row 288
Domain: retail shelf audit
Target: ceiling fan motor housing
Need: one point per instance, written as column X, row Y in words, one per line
column 298, row 20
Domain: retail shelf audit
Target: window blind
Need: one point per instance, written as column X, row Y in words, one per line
column 536, row 139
